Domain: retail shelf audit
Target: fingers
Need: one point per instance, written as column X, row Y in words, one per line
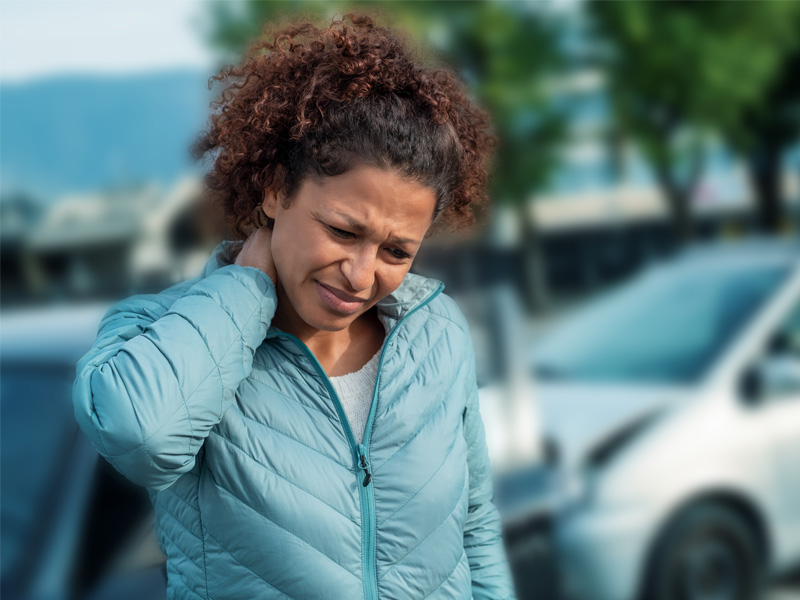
column 257, row 252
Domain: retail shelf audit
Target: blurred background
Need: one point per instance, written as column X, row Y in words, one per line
column 633, row 288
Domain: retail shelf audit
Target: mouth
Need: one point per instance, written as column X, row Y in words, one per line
column 339, row 301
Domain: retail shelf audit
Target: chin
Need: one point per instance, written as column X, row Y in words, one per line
column 331, row 322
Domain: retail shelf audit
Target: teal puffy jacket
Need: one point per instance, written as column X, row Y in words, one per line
column 259, row 488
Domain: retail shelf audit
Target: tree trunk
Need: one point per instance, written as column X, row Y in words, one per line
column 677, row 198
column 534, row 281
column 765, row 175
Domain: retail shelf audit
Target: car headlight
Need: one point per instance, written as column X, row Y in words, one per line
column 578, row 484
column 604, row 452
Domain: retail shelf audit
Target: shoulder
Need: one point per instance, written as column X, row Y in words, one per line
column 445, row 310
column 153, row 306
column 147, row 306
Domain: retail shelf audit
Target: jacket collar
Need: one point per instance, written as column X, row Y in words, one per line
column 413, row 291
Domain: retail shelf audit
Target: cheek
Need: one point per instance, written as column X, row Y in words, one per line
column 318, row 250
column 391, row 278
column 300, row 255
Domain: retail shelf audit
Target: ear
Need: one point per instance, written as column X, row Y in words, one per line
column 270, row 203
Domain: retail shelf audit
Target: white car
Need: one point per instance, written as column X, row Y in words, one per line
column 671, row 414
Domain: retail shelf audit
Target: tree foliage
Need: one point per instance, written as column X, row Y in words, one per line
column 680, row 69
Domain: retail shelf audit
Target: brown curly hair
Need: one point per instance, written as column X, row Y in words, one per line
column 317, row 102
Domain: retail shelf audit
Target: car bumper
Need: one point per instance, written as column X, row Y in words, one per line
column 532, row 558
column 601, row 552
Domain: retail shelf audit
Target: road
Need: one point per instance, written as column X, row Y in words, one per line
column 785, row 592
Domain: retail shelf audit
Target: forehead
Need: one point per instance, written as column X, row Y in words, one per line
column 375, row 198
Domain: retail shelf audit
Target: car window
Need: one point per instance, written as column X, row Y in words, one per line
column 791, row 331
column 668, row 326
column 778, row 368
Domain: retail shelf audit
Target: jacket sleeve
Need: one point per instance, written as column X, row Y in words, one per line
column 165, row 367
column 483, row 540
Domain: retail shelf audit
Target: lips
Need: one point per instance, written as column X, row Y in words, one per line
column 342, row 295
column 338, row 304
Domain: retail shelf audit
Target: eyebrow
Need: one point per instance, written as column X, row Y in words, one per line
column 358, row 227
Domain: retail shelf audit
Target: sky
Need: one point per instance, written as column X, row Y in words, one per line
column 40, row 38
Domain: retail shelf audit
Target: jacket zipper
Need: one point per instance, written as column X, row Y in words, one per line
column 361, row 451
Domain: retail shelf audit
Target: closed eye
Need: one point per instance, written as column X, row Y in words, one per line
column 397, row 253
column 341, row 232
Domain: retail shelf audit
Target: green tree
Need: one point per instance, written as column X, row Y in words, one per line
column 767, row 131
column 679, row 70
column 509, row 54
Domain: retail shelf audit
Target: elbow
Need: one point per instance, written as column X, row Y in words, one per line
column 104, row 411
column 141, row 467
column 146, row 448
column 145, row 467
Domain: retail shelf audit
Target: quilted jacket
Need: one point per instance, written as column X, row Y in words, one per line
column 259, row 488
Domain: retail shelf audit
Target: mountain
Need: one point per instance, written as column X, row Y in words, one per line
column 81, row 133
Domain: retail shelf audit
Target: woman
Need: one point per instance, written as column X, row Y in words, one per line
column 306, row 418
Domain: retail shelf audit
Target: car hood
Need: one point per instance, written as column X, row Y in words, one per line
column 576, row 418
column 50, row 335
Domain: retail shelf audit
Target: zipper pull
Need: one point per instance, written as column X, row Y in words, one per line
column 363, row 464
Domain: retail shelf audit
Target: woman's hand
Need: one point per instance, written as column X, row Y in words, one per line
column 257, row 252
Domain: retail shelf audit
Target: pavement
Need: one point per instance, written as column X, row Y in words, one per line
column 789, row 590
column 784, row 594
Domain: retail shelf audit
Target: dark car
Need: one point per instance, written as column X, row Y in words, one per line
column 70, row 526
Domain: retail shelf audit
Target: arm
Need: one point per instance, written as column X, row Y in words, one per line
column 165, row 367
column 483, row 541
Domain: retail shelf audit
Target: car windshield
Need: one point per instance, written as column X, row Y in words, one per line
column 667, row 326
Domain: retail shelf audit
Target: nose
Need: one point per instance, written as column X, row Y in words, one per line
column 359, row 269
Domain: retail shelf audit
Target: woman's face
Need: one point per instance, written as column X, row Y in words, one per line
column 344, row 244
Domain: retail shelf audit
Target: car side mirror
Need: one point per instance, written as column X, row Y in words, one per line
column 750, row 386
column 774, row 376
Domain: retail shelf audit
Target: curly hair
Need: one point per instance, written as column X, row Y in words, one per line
column 317, row 102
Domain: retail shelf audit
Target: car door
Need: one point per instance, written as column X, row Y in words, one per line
column 38, row 436
column 780, row 381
